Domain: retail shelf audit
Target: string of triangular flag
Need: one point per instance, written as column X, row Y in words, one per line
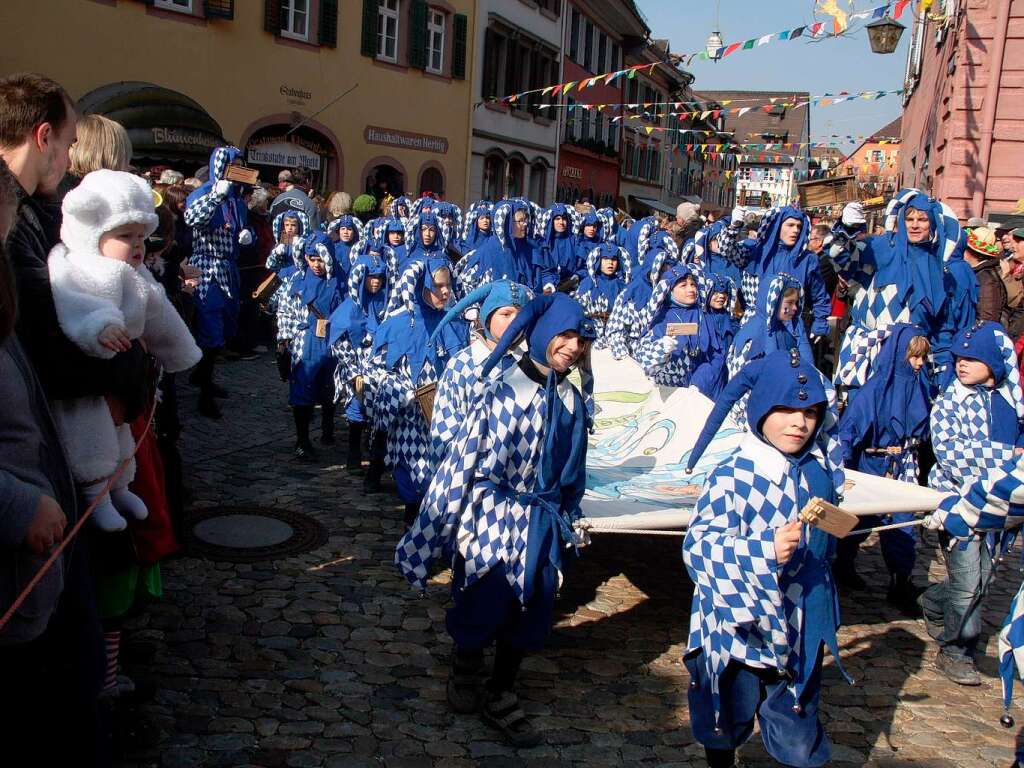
column 687, row 109
column 818, row 29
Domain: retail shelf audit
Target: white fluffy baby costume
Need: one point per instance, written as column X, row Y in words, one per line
column 91, row 292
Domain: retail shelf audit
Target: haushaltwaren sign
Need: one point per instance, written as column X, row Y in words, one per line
column 389, row 137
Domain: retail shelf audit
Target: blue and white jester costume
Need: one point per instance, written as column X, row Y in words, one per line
column 217, row 215
column 723, row 318
column 282, row 255
column 558, row 257
column 503, row 256
column 994, row 503
column 696, row 360
column 304, row 323
column 472, row 236
column 597, row 292
column 414, row 243
column 765, row 333
column 881, row 431
column 502, row 517
column 766, row 256
column 587, row 243
column 395, row 249
column 623, row 332
column 758, row 629
column 403, row 360
column 461, row 385
column 895, row 281
column 352, row 328
column 346, row 247
column 975, row 431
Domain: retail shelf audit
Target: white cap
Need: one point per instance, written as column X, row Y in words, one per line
column 853, row 215
column 103, row 201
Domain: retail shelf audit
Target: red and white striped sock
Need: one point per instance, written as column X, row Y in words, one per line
column 113, row 642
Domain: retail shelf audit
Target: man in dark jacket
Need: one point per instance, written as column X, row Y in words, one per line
column 982, row 253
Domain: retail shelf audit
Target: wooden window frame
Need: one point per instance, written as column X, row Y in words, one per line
column 431, row 29
column 387, row 13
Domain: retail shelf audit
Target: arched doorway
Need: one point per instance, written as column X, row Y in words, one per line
column 273, row 146
column 384, row 179
column 431, row 180
column 494, row 177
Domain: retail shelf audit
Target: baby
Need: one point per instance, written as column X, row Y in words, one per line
column 105, row 297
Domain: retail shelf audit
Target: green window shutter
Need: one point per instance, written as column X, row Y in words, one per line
column 328, row 32
column 418, row 34
column 368, row 47
column 461, row 25
column 272, row 16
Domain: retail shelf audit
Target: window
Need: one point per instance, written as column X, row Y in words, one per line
column 613, row 135
column 538, row 183
column 602, row 53
column 517, row 65
column 295, row 19
column 514, row 178
column 655, row 170
column 185, row 6
column 435, row 41
column 627, row 157
column 877, row 156
column 570, row 119
column 494, row 55
column 615, row 57
column 588, row 46
column 599, row 128
column 494, row 176
column 387, row 29
column 574, row 35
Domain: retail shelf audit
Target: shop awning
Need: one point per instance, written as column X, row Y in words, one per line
column 164, row 125
column 654, row 205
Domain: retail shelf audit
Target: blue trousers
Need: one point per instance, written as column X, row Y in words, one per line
column 355, row 412
column 216, row 317
column 488, row 610
column 312, row 378
column 793, row 738
column 967, row 567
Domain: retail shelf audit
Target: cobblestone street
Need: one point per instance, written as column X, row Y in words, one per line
column 329, row 658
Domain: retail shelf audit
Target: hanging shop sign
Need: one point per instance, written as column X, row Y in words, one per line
column 284, row 154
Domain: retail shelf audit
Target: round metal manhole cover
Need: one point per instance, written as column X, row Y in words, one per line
column 251, row 534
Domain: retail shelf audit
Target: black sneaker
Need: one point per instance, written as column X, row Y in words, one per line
column 902, row 595
column 960, row 671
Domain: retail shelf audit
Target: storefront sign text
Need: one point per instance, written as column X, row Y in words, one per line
column 571, row 172
column 286, row 155
column 392, row 138
column 183, row 137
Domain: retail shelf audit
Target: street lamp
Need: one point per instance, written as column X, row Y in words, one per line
column 884, row 34
column 714, row 46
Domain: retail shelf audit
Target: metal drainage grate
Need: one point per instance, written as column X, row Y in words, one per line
column 250, row 534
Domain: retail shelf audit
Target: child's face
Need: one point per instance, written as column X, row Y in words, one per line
column 483, row 223
column 789, row 429
column 500, row 320
column 395, row 238
column 609, row 266
column 126, row 243
column 788, row 308
column 916, row 362
column 971, row 373
column 590, row 230
column 685, row 291
column 374, row 283
column 564, row 350
column 317, row 265
column 560, row 224
column 428, row 233
column 438, row 296
column 345, row 234
column 519, row 225
column 718, row 300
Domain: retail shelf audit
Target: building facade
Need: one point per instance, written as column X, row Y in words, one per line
column 774, row 141
column 515, row 146
column 368, row 97
column 643, row 175
column 701, row 163
column 588, row 162
column 963, row 114
column 876, row 163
